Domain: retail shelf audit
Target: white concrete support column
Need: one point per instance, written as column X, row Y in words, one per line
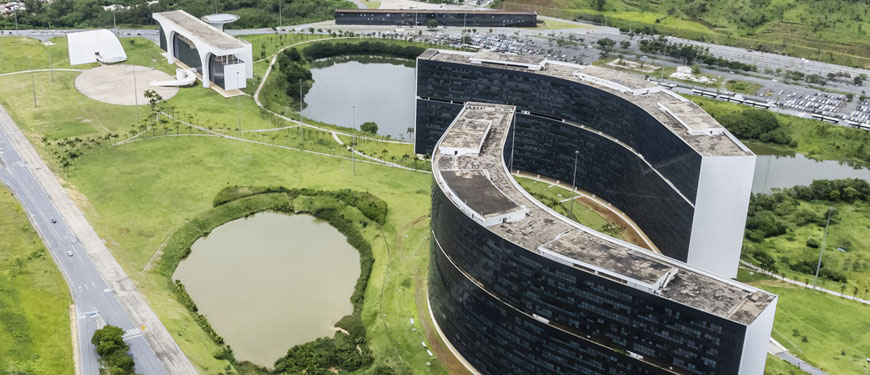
column 170, row 44
column 204, row 57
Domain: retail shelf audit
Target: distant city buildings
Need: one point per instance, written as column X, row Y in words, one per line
column 421, row 17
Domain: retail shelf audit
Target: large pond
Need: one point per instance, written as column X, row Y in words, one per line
column 271, row 281
column 382, row 89
column 775, row 169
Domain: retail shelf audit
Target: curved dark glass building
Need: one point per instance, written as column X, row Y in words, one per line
column 516, row 288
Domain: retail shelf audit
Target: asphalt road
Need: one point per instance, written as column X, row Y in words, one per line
column 96, row 304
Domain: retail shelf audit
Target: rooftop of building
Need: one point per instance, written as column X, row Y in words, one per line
column 545, row 232
column 682, row 117
column 202, row 30
column 444, row 11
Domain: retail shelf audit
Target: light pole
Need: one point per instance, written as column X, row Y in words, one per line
column 822, row 248
column 15, row 13
column 352, row 138
column 574, row 182
column 239, row 103
column 135, row 93
column 279, row 13
column 300, row 107
column 33, row 82
column 48, row 47
column 114, row 24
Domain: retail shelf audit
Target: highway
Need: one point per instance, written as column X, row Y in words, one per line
column 96, row 300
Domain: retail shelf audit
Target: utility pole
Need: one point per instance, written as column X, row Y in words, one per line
column 114, row 23
column 300, row 107
column 33, row 82
column 574, row 182
column 822, row 249
column 352, row 138
column 279, row 14
column 239, row 102
column 48, row 47
column 135, row 93
column 15, row 13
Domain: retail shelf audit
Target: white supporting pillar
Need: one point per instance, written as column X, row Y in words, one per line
column 206, row 80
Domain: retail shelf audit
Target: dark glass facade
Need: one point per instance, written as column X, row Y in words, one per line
column 216, row 71
column 185, row 51
column 545, row 144
column 528, row 315
column 449, row 18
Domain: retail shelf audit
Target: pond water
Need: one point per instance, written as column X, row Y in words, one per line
column 271, row 281
column 775, row 169
column 382, row 89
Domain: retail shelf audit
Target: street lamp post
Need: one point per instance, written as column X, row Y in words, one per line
column 300, row 108
column 135, row 93
column 574, row 182
column 822, row 249
column 33, row 82
column 352, row 139
column 239, row 103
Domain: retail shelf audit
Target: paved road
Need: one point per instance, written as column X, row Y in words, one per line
column 97, row 301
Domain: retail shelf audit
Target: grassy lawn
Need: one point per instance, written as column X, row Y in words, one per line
column 816, row 139
column 742, row 87
column 555, row 196
column 837, row 330
column 135, row 195
column 776, row 366
column 34, row 299
column 372, row 4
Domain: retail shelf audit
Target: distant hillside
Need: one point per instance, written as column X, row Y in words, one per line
column 802, row 28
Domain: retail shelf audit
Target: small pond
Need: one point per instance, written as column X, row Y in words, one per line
column 381, row 88
column 271, row 281
column 775, row 169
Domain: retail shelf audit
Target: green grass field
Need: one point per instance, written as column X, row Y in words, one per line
column 776, row 366
column 828, row 30
column 837, row 330
column 742, row 87
column 34, row 299
column 135, row 195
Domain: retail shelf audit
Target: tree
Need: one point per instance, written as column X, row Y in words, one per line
column 432, row 24
column 858, row 81
column 599, row 4
column 606, row 44
column 625, row 44
column 369, row 127
column 113, row 350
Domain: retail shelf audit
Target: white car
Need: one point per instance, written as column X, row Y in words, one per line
column 70, row 253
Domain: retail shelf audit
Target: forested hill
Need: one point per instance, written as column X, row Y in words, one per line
column 91, row 13
column 838, row 28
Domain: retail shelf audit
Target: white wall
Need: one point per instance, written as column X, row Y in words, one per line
column 724, row 187
column 230, row 76
column 756, row 341
column 82, row 46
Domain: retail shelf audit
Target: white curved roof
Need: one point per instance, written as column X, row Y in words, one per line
column 90, row 46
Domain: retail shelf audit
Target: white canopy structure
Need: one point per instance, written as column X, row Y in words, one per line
column 95, row 45
column 220, row 58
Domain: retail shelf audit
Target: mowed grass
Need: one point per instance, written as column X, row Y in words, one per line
column 777, row 366
column 135, row 195
column 837, row 329
column 34, row 299
column 742, row 87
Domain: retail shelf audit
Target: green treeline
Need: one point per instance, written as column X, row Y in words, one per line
column 295, row 70
column 776, row 214
column 350, row 212
column 757, row 124
column 324, row 50
column 91, row 14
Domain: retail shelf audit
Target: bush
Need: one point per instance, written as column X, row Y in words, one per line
column 812, row 243
column 113, row 350
column 757, row 124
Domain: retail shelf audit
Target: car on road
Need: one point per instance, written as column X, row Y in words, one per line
column 70, row 253
column 54, row 221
